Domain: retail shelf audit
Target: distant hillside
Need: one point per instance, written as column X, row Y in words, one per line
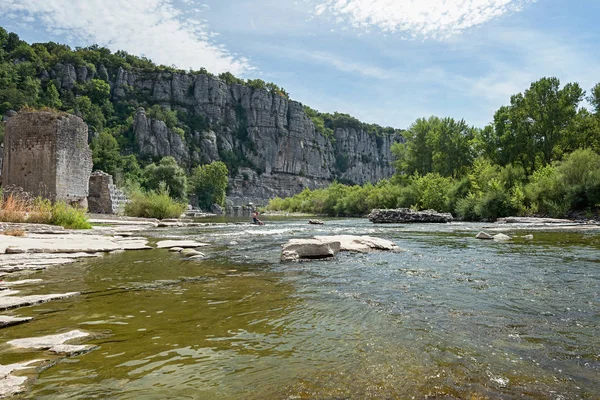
column 272, row 145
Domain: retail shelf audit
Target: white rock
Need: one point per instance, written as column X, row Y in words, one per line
column 176, row 249
column 6, row 320
column 297, row 249
column 528, row 237
column 501, row 237
column 198, row 257
column 11, row 384
column 484, row 236
column 11, row 301
column 54, row 343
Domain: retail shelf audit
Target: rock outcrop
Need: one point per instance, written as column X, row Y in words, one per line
column 262, row 130
column 406, row 215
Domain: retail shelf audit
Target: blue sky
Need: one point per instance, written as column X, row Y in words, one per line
column 383, row 61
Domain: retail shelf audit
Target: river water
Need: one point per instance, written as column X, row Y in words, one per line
column 448, row 317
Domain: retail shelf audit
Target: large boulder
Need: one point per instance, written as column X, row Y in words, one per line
column 406, row 215
column 311, row 249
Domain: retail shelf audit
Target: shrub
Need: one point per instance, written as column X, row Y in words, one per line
column 153, row 204
column 69, row 217
column 20, row 208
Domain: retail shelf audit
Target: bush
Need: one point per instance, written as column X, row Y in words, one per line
column 166, row 172
column 153, row 204
column 69, row 217
column 20, row 208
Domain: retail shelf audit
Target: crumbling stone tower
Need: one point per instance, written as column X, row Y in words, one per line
column 46, row 154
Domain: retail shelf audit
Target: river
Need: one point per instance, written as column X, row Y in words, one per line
column 449, row 317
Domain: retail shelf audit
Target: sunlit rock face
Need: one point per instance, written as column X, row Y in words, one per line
column 273, row 136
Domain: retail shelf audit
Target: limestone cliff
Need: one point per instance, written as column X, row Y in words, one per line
column 263, row 131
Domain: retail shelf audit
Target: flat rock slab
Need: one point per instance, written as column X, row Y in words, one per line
column 9, row 284
column 6, row 320
column 141, row 222
column 11, row 301
column 532, row 220
column 73, row 243
column 406, row 215
column 55, row 343
column 11, row 384
column 361, row 244
column 185, row 244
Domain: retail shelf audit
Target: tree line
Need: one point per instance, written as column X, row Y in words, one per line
column 539, row 156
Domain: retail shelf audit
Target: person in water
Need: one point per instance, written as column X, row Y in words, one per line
column 255, row 219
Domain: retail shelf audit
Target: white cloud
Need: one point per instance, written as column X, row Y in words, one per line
column 419, row 18
column 153, row 28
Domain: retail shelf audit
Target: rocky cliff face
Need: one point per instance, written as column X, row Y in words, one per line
column 271, row 135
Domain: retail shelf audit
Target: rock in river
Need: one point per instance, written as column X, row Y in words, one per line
column 321, row 247
column 406, row 215
column 297, row 249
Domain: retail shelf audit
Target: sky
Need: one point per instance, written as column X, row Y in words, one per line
column 383, row 61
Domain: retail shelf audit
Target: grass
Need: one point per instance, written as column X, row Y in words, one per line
column 153, row 204
column 20, row 208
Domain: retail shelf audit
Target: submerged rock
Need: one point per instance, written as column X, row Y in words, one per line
column 6, row 320
column 55, row 343
column 185, row 244
column 311, row 249
column 315, row 222
column 11, row 384
column 406, row 215
column 8, row 300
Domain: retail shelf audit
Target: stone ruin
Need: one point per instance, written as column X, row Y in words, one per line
column 105, row 197
column 47, row 154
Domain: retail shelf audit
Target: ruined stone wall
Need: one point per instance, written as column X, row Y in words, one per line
column 105, row 197
column 73, row 160
column 29, row 160
column 46, row 154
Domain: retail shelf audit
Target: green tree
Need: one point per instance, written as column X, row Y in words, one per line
column 97, row 90
column 170, row 173
column 532, row 129
column 209, row 183
column 52, row 97
column 594, row 98
column 105, row 153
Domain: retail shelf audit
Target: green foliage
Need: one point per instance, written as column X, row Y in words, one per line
column 532, row 129
column 105, row 153
column 69, row 217
column 169, row 173
column 154, row 204
column 97, row 90
column 444, row 146
column 169, row 117
column 209, row 183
